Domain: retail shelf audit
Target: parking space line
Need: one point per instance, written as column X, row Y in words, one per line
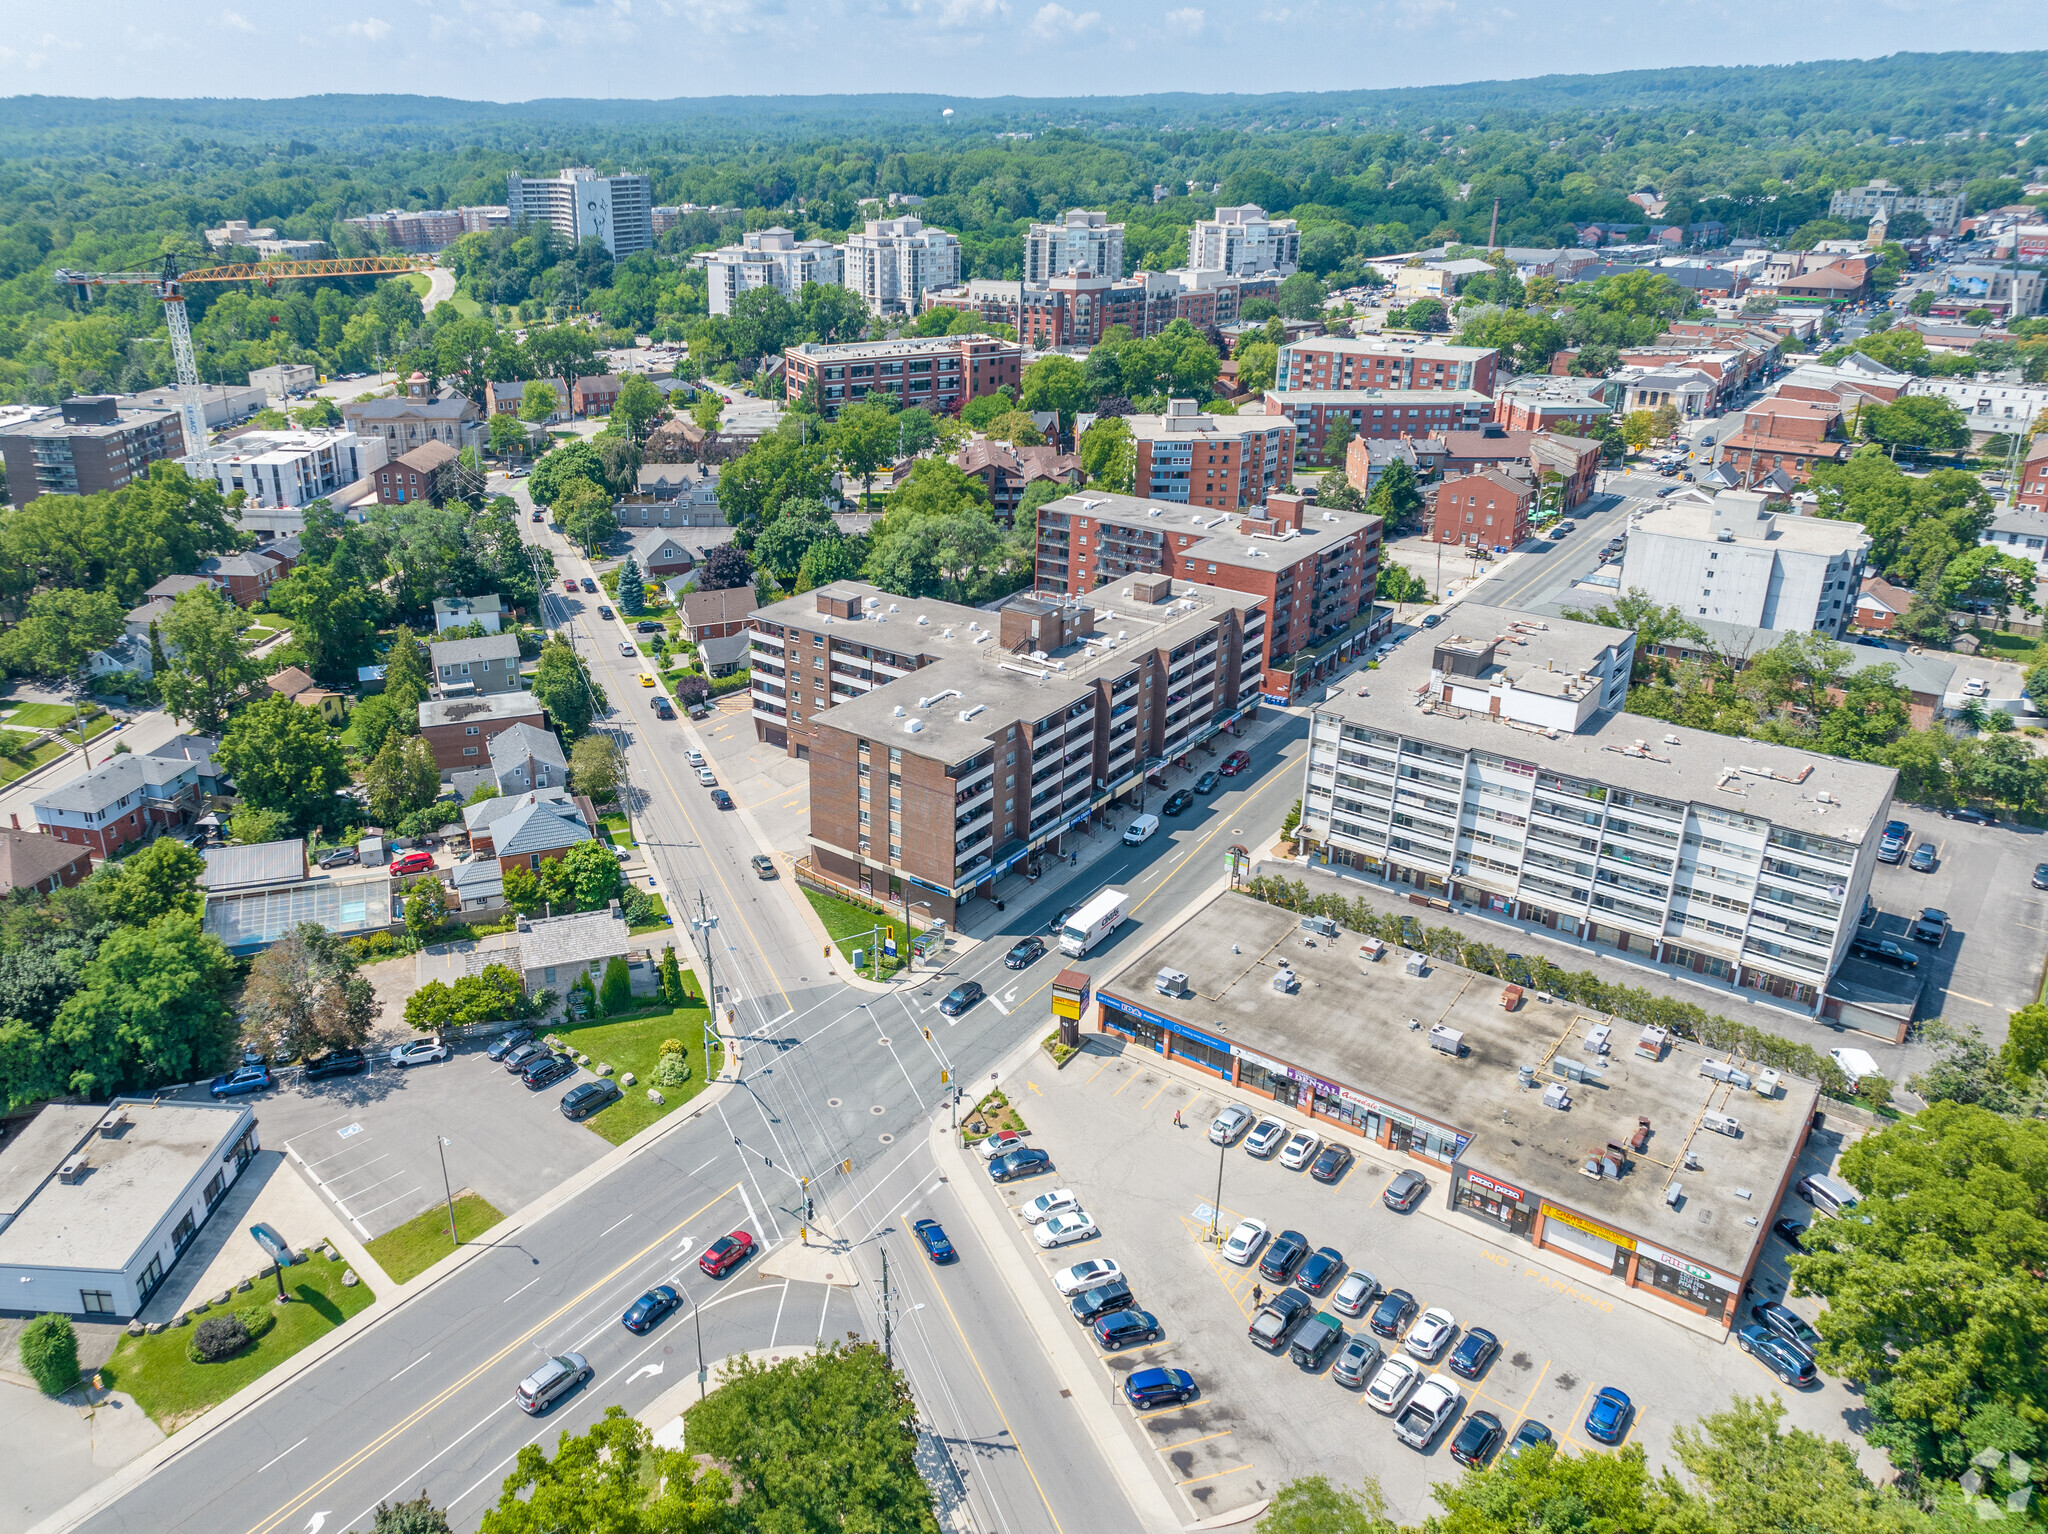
column 1540, row 1376
column 1129, row 1077
column 1212, row 1475
column 1155, row 1096
column 408, row 1193
column 1167, row 1448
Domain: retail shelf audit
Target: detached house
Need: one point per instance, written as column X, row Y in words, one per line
column 129, row 799
column 460, row 730
column 531, row 828
column 524, row 758
column 466, row 668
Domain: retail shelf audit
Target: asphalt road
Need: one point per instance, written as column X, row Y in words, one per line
column 1549, row 566
column 422, row 1400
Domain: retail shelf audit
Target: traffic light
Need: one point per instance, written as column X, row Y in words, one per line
column 944, row 1077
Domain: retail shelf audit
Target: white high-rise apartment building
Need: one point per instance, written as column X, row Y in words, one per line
column 1081, row 242
column 769, row 258
column 1243, row 240
column 579, row 203
column 1735, row 561
column 894, row 262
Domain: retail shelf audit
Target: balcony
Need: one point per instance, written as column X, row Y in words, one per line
column 983, row 815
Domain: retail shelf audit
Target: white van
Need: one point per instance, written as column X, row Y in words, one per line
column 1828, row 1195
column 1141, row 829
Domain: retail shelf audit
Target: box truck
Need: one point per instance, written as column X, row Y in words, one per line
column 1102, row 915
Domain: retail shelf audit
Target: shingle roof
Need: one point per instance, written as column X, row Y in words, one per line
column 573, row 940
column 27, row 858
column 708, row 607
column 291, row 682
column 524, row 741
column 538, row 822
column 428, row 456
column 456, row 652
column 400, row 409
column 488, row 812
column 122, row 776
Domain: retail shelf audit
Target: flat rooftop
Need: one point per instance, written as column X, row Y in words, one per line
column 1218, row 537
column 909, row 346
column 1352, row 1023
column 1471, row 398
column 1371, row 344
column 136, row 1176
column 1175, row 427
column 1782, row 530
column 1781, row 783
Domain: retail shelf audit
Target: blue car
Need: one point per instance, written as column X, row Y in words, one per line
column 1019, row 1163
column 650, row 1308
column 933, row 1240
column 1612, row 1412
column 1777, row 1355
column 1121, row 1328
column 1158, row 1387
column 242, row 1080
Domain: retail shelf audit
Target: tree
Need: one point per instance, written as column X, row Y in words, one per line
column 1395, row 496
column 1256, row 364
column 1016, row 428
column 538, row 403
column 402, row 778
column 121, row 542
column 585, row 878
column 632, row 592
column 62, row 629
column 560, row 687
column 427, row 904
column 1301, row 297
column 1398, row 584
column 707, row 408
column 408, row 676
column 785, row 465
column 1983, row 574
column 1613, row 444
column 1664, row 420
column 1526, row 339
column 507, row 435
column 612, row 1479
column 782, row 542
column 1923, row 421
column 1654, row 626
column 210, row 667
column 494, row 994
column 1424, row 314
column 566, row 352
column 150, row 1008
column 1314, row 1505
column 637, row 406
column 285, row 758
column 725, row 568
column 864, row 438
column 49, row 1351
column 565, row 465
column 253, row 827
column 522, row 893
column 1058, row 384
column 417, row 1516
column 161, row 879
column 827, row 560
column 1639, row 428
column 597, row 766
column 1336, row 439
column 304, row 994
column 470, row 353
column 1036, row 494
column 616, row 994
column 334, row 622
column 1543, row 1489
column 671, row 978
column 1102, row 449
column 585, row 512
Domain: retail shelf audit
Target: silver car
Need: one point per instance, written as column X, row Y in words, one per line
column 1355, row 1294
column 551, row 1381
column 1360, row 1357
column 1229, row 1124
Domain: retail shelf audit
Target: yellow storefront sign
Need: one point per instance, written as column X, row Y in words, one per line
column 1579, row 1222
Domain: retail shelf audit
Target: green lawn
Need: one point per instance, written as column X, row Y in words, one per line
column 40, row 716
column 660, row 909
column 2013, row 647
column 633, row 1043
column 852, row 926
column 422, row 1241
column 173, row 1390
column 12, row 767
column 618, row 830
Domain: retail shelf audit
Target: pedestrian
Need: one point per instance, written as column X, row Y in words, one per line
column 1258, row 1296
column 1074, row 858
column 1177, row 1124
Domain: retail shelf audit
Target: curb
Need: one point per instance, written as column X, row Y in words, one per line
column 387, row 1303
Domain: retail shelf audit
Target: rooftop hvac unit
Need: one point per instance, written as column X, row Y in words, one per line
column 1767, row 1082
column 1596, row 1039
column 1651, row 1045
column 1555, row 1096
column 1716, row 1070
column 1525, row 1075
column 1674, row 1193
column 1570, row 1070
column 1722, row 1124
column 74, row 1170
column 1449, row 1040
column 1286, row 983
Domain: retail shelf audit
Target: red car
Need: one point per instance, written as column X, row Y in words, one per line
column 412, row 863
column 570, row 587
column 1235, row 763
column 726, row 1253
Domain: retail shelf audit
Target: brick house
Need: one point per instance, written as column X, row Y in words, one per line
column 524, row 830
column 717, row 623
column 465, row 668
column 661, row 553
column 1484, row 510
column 1005, row 472
column 2032, row 490
column 420, row 475
column 594, row 395
column 1789, row 436
column 29, row 861
column 460, row 730
column 1880, row 604
column 244, row 579
column 129, row 799
column 1543, row 403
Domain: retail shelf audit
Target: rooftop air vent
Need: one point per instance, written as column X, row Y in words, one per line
column 923, row 621
column 913, row 726
column 967, row 714
column 74, row 1170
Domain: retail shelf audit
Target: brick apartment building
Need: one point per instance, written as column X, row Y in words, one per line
column 940, row 373
column 1314, row 570
column 1374, row 362
column 1006, row 472
column 1486, row 509
column 1076, row 309
column 1387, row 414
column 420, row 475
column 1017, row 727
column 129, row 799
column 1575, row 460
column 91, row 445
column 1786, row 435
column 2032, row 490
column 1222, row 462
column 1542, row 403
column 595, row 395
column 460, row 730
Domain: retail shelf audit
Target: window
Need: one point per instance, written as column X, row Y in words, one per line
column 151, row 1276
column 183, row 1233
column 469, row 750
column 471, row 730
column 95, row 1302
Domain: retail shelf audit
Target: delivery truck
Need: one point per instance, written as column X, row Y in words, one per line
column 1102, row 915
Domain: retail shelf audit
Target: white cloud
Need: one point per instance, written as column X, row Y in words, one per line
column 1055, row 23
column 235, row 21
column 371, row 28
column 958, row 13
column 1412, row 14
column 1189, row 19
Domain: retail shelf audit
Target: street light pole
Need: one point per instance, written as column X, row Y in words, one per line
column 698, row 1322
column 441, row 1145
column 1216, row 1208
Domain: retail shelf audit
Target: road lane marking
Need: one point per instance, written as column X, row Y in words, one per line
column 267, row 1464
column 414, row 1364
column 999, row 1006
column 612, row 1227
column 522, row 1289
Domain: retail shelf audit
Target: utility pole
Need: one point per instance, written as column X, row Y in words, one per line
column 1493, row 229
column 1216, row 1208
column 441, row 1145
column 888, row 1354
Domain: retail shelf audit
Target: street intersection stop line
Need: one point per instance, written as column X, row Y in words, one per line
column 353, row 1129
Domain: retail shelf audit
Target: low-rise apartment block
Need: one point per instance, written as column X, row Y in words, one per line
column 468, row 668
column 1737, row 561
column 1787, row 436
column 1539, row 402
column 1494, row 767
column 940, row 373
column 276, row 469
column 1385, row 413
column 460, row 730
column 1373, row 362
column 1487, row 509
column 428, row 229
column 1222, row 462
column 948, row 744
column 91, row 444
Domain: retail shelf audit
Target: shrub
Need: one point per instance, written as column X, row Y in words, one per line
column 672, row 1069
column 671, row 1047
column 49, row 1351
column 218, row 1337
column 617, row 995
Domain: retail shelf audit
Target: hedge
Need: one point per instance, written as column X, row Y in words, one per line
column 739, row 681
column 1685, row 1019
column 49, row 1351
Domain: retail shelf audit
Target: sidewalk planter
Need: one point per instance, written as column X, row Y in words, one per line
column 1061, row 1053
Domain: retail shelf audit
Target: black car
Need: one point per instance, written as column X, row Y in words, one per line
column 649, row 626
column 1476, row 1439
column 1330, row 1163
column 1528, row 1436
column 1884, row 951
column 336, row 1062
column 1404, row 1192
column 1283, row 1255
column 603, row 611
column 1019, row 1163
column 1053, row 927
column 1787, row 1323
column 2041, row 876
column 1791, row 1232
column 1024, row 953
column 650, row 1308
column 1176, row 801
column 961, row 997
column 1932, row 927
column 1126, row 1328
column 1971, row 817
column 721, row 798
column 1322, row 1269
column 504, row 1045
column 1475, row 1351
column 580, row 1102
column 519, row 1056
column 588, row 584
column 1923, row 859
column 1101, row 1300
column 1207, row 783
column 546, row 1070
column 1393, row 1313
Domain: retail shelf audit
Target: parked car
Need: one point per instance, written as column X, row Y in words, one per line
column 1275, row 1321
column 1356, row 1292
column 1884, row 951
column 241, row 1081
column 1244, row 1242
column 1024, row 953
column 1608, row 1419
column 1091, row 1274
column 1207, row 782
column 336, row 1062
column 421, row 1052
column 961, row 997
column 1791, row 1232
column 649, row 626
column 1395, row 1310
column 706, row 778
column 650, row 1308
column 1101, row 1300
column 1435, row 1402
column 1431, row 1334
column 1314, row 1339
column 763, row 866
column 1266, row 1138
column 1229, row 1124
column 1931, row 927
column 1046, row 1205
column 1973, row 687
column 1147, row 1388
column 341, row 857
column 1320, row 1269
column 1529, row 1435
column 663, row 709
column 415, row 862
column 1971, row 817
column 1301, row 1148
column 1360, row 1357
column 1019, row 1163
column 517, row 1058
column 1474, row 1352
column 1177, row 801
column 1002, row 1141
column 545, row 1069
column 2040, row 880
column 589, row 1097
column 550, row 1382
column 1404, row 1192
column 1283, row 1256
column 726, row 1253
column 1330, row 1164
column 932, row 1237
column 1233, row 764
column 1431, row 620
column 1477, row 1439
column 1786, row 1323
column 1891, row 845
column 589, row 584
column 721, row 798
column 505, row 1043
column 1777, row 1355
column 1126, row 1328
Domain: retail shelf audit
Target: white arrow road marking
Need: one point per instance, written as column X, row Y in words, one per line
column 644, row 1371
column 999, row 1006
column 684, row 1249
column 313, row 1523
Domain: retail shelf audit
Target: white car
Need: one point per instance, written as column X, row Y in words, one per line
column 420, row 1052
column 1266, row 1138
column 1301, row 1150
column 1434, row 1403
column 1229, row 1124
column 1974, row 687
column 694, row 757
column 627, row 650
column 1356, row 1292
column 1389, row 1388
column 1046, row 1205
column 707, row 777
column 1431, row 1334
column 1086, row 1275
column 1002, row 1142
column 1063, row 1228
column 1244, row 1242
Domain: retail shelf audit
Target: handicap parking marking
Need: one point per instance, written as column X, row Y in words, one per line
column 347, row 1130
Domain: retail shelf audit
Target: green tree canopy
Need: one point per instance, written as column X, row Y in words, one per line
column 612, row 1480
column 304, row 995
column 210, row 665
column 555, row 470
column 160, row 880
column 285, row 758
column 559, row 686
column 63, row 627
column 151, row 1008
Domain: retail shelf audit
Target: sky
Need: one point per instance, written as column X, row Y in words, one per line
column 514, row 50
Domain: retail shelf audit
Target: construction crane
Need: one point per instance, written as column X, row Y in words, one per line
column 170, row 287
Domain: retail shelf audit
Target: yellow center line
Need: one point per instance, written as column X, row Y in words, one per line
column 511, row 1347
column 1169, row 1448
column 1212, row 1475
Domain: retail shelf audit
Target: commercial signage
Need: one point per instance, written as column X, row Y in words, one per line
column 1591, row 1228
column 1690, row 1269
column 1154, row 1018
column 1066, row 1006
column 1493, row 1186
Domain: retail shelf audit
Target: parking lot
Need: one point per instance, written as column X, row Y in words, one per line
column 1258, row 1420
column 368, row 1142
